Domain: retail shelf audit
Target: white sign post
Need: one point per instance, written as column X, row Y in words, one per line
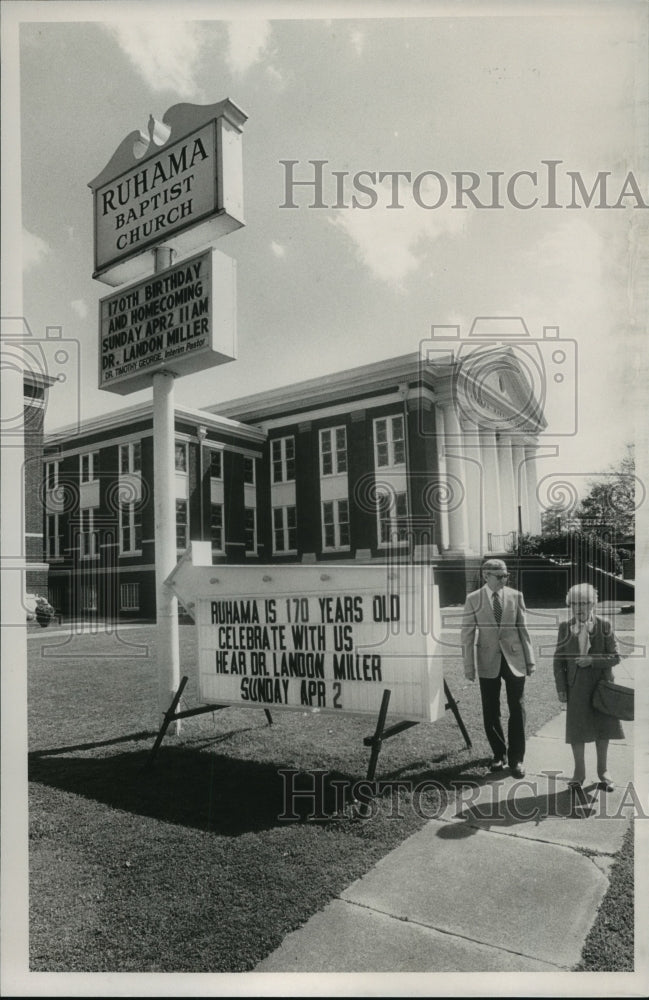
column 183, row 190
column 168, row 645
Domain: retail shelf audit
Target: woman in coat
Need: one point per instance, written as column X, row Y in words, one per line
column 586, row 653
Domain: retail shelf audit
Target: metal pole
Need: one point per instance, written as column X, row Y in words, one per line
column 168, row 649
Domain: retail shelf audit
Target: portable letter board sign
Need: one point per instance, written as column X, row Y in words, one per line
column 322, row 638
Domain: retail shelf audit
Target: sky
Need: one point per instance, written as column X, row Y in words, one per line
column 321, row 290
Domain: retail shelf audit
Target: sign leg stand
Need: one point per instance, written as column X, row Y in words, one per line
column 381, row 733
column 376, row 741
column 168, row 718
column 171, row 716
column 452, row 704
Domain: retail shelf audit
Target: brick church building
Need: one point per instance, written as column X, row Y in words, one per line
column 382, row 461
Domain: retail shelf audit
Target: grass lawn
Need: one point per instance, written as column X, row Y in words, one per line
column 186, row 867
column 609, row 945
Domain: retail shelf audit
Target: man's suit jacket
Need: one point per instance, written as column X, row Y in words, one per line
column 602, row 648
column 483, row 641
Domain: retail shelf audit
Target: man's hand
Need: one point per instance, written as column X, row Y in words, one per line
column 531, row 667
column 469, row 674
column 584, row 661
column 563, row 697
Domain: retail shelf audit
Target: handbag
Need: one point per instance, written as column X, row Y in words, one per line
column 613, row 699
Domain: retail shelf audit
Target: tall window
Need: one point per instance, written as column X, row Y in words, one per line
column 251, row 530
column 52, row 474
column 87, row 537
column 250, row 504
column 130, row 515
column 333, row 451
column 180, row 456
column 335, row 524
column 389, row 442
column 89, row 467
column 55, row 594
column 249, row 471
column 283, row 459
column 216, row 527
column 130, row 529
column 216, row 464
column 182, row 525
column 129, row 596
column 392, row 518
column 130, row 458
column 53, row 536
column 89, row 598
column 284, row 529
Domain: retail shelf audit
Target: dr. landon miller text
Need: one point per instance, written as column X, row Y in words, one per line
column 313, row 184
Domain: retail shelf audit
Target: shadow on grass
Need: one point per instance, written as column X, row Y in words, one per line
column 459, row 765
column 144, row 734
column 206, row 791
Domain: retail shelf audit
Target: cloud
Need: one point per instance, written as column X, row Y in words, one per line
column 166, row 54
column 79, row 307
column 580, row 286
column 275, row 75
column 392, row 243
column 578, row 271
column 247, row 43
column 34, row 250
column 358, row 41
column 278, row 249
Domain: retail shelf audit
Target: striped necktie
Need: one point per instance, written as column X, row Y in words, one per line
column 498, row 608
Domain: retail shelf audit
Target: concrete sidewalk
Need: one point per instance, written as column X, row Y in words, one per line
column 508, row 878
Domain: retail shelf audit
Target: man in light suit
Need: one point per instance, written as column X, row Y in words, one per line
column 495, row 638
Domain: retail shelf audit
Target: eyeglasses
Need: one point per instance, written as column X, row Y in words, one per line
column 500, row 576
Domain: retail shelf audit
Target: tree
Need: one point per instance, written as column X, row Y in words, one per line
column 557, row 520
column 551, row 520
column 608, row 509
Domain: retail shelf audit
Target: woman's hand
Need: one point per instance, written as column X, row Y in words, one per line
column 584, row 661
column 563, row 697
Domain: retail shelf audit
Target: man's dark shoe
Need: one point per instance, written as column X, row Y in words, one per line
column 518, row 770
column 497, row 764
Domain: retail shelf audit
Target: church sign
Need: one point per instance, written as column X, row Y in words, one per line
column 183, row 193
column 329, row 638
column 180, row 320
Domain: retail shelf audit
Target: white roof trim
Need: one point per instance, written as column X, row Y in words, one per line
column 142, row 411
column 325, row 387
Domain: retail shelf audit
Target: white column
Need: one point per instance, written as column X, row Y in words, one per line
column 474, row 485
column 455, row 477
column 491, row 481
column 507, row 488
column 533, row 509
column 520, row 482
column 442, row 514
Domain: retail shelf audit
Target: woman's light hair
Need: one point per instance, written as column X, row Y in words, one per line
column 581, row 593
